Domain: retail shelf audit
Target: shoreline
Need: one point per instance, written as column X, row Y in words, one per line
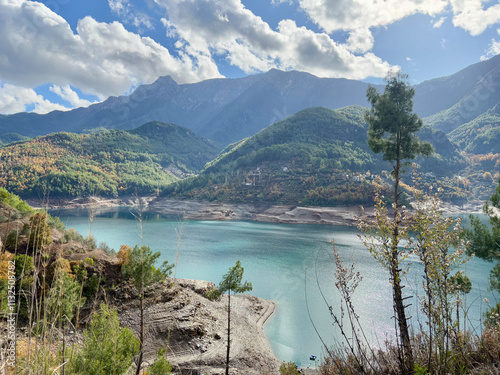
column 194, row 328
column 218, row 211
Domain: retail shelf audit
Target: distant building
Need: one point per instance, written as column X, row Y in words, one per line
column 255, row 176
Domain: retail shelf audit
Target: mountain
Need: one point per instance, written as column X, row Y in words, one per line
column 228, row 110
column 436, row 95
column 225, row 110
column 318, row 156
column 477, row 89
column 107, row 163
column 481, row 135
column 7, row 138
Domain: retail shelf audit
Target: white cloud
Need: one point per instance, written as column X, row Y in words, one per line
column 130, row 15
column 332, row 15
column 439, row 23
column 360, row 40
column 493, row 50
column 473, row 17
column 38, row 46
column 14, row 99
column 408, row 59
column 68, row 94
column 230, row 30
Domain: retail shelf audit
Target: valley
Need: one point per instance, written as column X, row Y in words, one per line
column 224, row 169
column 279, row 138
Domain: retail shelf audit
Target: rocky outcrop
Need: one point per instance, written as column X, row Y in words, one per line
column 194, row 329
column 199, row 210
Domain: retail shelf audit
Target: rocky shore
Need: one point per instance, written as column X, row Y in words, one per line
column 194, row 329
column 204, row 210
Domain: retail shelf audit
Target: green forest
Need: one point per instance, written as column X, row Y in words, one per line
column 107, row 163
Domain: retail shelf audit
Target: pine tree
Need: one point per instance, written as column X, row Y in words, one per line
column 392, row 128
column 231, row 282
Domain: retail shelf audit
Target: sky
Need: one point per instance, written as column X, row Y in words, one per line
column 64, row 54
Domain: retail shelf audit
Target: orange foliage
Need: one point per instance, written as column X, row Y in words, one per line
column 4, row 265
column 124, row 254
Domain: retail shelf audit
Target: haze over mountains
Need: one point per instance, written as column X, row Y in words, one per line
column 227, row 110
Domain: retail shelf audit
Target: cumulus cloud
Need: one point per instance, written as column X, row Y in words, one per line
column 15, row 99
column 69, row 95
column 360, row 40
column 230, row 30
column 332, row 15
column 102, row 59
column 473, row 17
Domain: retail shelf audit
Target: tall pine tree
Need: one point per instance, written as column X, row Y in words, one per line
column 392, row 132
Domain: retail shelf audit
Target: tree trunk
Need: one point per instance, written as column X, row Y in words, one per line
column 228, row 330
column 141, row 335
column 407, row 358
column 64, row 349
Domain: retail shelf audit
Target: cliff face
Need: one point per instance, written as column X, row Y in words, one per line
column 194, row 329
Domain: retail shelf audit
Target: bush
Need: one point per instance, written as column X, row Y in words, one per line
column 55, row 222
column 15, row 202
column 72, row 235
column 107, row 348
column 12, row 240
column 213, row 294
column 90, row 242
column 91, row 286
column 106, row 248
column 289, row 368
column 160, row 366
column 89, row 261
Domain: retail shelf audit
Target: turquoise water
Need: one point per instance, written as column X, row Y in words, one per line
column 290, row 264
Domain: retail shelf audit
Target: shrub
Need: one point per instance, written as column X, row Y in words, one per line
column 106, row 248
column 213, row 294
column 91, row 286
column 89, row 261
column 90, row 242
column 107, row 348
column 72, row 235
column 55, row 222
column 289, row 368
column 12, row 240
column 160, row 366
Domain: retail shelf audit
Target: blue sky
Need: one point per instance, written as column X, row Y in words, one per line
column 63, row 54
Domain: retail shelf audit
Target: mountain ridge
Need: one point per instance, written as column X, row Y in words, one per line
column 229, row 109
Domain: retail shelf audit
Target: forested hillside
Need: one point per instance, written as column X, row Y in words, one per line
column 315, row 157
column 108, row 163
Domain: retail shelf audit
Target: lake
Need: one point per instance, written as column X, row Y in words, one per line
column 289, row 264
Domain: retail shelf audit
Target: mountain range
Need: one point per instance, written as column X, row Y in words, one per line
column 228, row 110
column 275, row 138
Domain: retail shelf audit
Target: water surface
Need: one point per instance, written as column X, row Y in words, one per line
column 290, row 264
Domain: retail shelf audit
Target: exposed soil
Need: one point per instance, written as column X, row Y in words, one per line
column 204, row 210
column 194, row 329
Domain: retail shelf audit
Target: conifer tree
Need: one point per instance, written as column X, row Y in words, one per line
column 231, row 282
column 392, row 132
column 141, row 270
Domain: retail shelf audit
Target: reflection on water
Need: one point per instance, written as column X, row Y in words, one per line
column 289, row 264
